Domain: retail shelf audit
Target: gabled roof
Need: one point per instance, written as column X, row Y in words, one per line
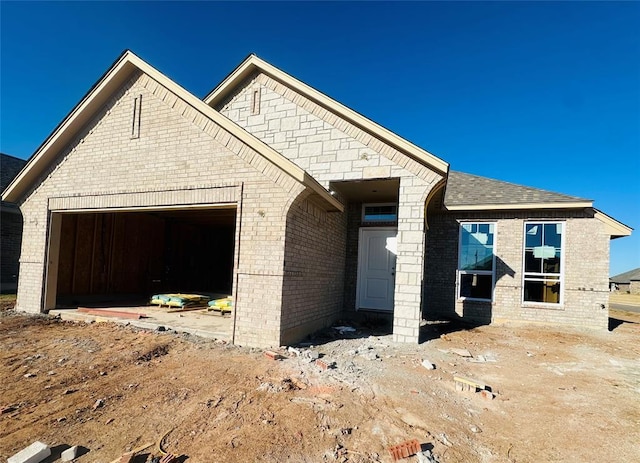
column 626, row 277
column 253, row 64
column 472, row 192
column 102, row 91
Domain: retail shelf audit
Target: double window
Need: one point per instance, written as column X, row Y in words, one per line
column 543, row 262
column 476, row 261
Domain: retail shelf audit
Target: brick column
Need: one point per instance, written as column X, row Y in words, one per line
column 410, row 259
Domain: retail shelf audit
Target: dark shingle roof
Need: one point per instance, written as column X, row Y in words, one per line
column 473, row 190
column 626, row 277
column 9, row 168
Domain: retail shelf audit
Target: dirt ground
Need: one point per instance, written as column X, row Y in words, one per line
column 561, row 395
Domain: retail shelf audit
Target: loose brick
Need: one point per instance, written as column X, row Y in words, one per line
column 405, row 449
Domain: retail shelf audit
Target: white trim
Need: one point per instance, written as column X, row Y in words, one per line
column 460, row 272
column 360, row 264
column 543, row 305
column 614, row 228
column 492, row 207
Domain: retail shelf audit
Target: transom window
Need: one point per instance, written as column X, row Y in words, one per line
column 476, row 261
column 543, row 262
column 380, row 212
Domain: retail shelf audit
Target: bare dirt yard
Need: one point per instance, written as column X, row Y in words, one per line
column 561, row 395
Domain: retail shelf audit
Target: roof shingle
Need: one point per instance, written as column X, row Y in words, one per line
column 472, row 190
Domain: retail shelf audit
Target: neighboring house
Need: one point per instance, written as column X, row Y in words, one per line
column 10, row 226
column 627, row 282
column 303, row 209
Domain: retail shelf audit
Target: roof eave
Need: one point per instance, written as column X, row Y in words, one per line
column 515, row 206
column 614, row 228
column 252, row 64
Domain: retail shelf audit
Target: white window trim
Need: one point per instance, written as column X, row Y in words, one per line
column 477, row 272
column 540, row 277
column 365, row 205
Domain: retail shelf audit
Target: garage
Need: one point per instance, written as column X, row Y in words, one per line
column 122, row 258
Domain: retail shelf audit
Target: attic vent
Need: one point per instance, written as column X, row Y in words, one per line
column 135, row 123
column 255, row 101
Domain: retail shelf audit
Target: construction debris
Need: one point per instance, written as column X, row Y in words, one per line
column 428, row 365
column 272, row 355
column 98, row 403
column 129, row 456
column 461, row 352
column 35, row 453
column 468, row 384
column 405, row 449
column 70, row 454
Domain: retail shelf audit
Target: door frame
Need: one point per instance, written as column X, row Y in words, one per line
column 360, row 264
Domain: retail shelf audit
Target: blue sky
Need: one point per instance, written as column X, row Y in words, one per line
column 542, row 94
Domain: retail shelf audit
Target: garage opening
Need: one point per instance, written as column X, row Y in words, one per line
column 122, row 258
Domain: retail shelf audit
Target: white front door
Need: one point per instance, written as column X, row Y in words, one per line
column 376, row 268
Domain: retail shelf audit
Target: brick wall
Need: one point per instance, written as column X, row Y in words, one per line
column 10, row 241
column 179, row 154
column 332, row 149
column 314, row 269
column 586, row 268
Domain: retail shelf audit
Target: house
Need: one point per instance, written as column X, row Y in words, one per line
column 627, row 282
column 301, row 208
column 10, row 226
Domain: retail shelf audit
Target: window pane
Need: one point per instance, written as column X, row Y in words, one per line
column 547, row 291
column 533, row 235
column 553, row 235
column 476, row 247
column 552, row 265
column 380, row 213
column 476, row 286
column 531, row 263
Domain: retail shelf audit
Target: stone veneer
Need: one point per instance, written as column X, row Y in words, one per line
column 331, row 149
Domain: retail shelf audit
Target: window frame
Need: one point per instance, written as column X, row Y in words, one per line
column 541, row 276
column 492, row 272
column 364, row 208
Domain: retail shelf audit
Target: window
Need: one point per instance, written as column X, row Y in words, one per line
column 380, row 212
column 543, row 262
column 476, row 261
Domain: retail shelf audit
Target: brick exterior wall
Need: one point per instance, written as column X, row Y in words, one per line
column 10, row 241
column 314, row 269
column 634, row 287
column 180, row 157
column 586, row 269
column 332, row 149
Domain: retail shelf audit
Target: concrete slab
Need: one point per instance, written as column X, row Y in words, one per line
column 203, row 323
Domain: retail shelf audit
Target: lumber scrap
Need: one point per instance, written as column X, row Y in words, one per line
column 128, row 456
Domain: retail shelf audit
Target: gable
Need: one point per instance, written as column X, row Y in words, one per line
column 327, row 108
column 270, row 162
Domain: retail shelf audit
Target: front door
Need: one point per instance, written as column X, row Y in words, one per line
column 376, row 268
